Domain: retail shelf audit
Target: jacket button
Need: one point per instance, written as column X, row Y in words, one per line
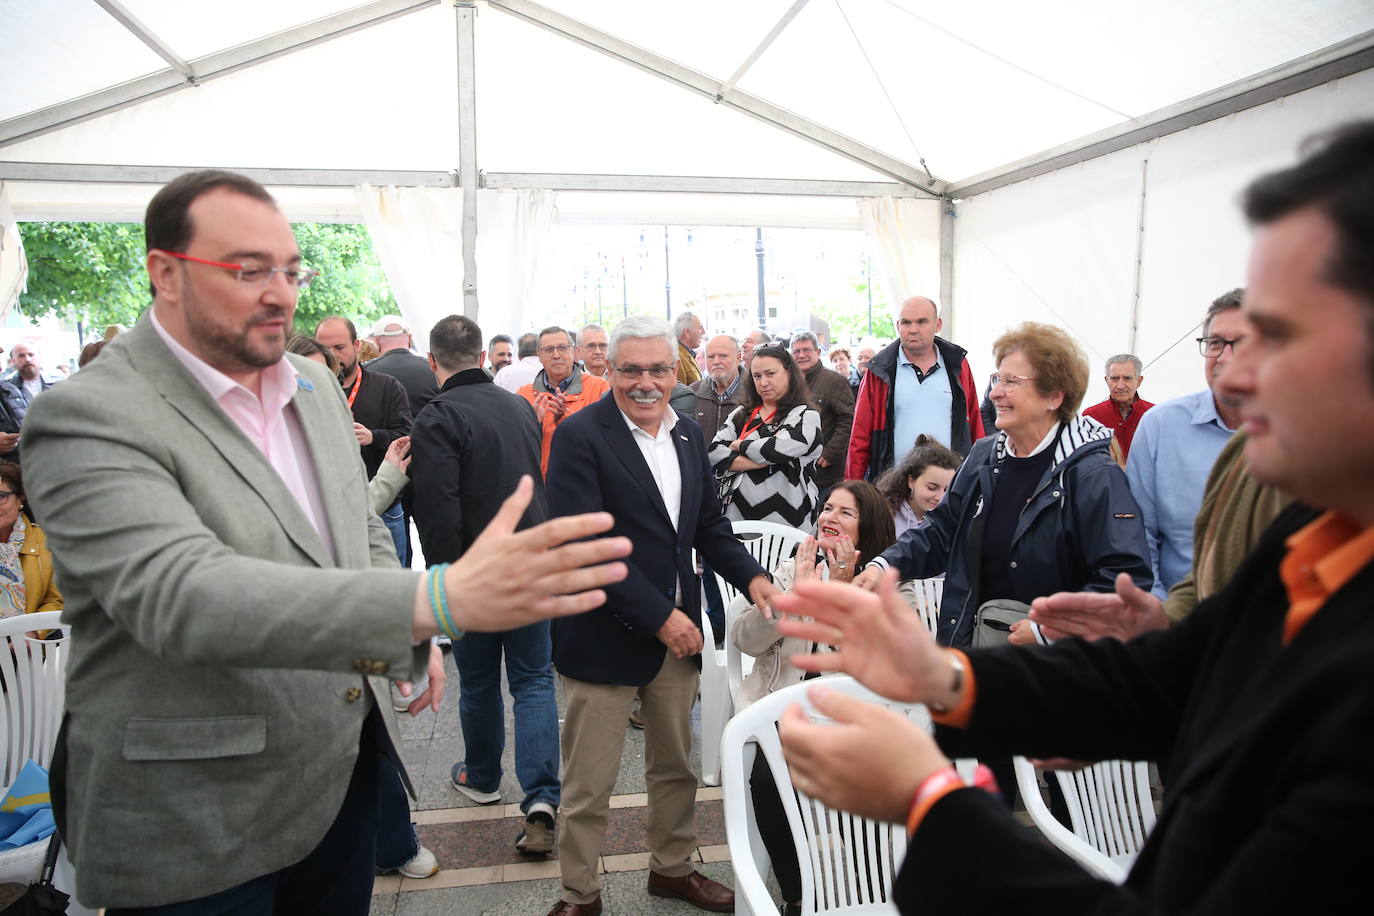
column 353, row 694
column 1056, row 494
column 996, row 470
column 1013, row 564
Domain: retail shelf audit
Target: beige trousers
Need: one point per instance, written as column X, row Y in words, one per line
column 593, row 740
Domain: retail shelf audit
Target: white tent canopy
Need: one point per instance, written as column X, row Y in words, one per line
column 768, row 112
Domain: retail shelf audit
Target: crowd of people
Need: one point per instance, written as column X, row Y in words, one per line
column 1121, row 580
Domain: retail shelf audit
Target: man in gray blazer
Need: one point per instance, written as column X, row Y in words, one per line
column 234, row 603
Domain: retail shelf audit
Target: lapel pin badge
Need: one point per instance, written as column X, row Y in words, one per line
column 304, row 384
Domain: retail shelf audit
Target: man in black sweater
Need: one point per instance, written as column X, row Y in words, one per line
column 470, row 445
column 396, row 344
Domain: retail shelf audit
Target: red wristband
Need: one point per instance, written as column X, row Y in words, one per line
column 939, row 784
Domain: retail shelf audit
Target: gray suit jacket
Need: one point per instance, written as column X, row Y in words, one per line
column 217, row 684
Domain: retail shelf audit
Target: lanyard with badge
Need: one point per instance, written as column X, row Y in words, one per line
column 754, row 414
column 357, row 386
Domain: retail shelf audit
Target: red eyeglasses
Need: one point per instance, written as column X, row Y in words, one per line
column 298, row 277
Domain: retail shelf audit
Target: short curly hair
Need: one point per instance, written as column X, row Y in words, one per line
column 1057, row 361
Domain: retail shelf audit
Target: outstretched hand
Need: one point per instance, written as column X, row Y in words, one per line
column 510, row 578
column 876, row 636
column 893, row 754
column 1122, row 615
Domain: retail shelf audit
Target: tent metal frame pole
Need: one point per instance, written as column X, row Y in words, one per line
column 70, row 172
column 702, row 84
column 148, row 37
column 1132, row 336
column 947, row 218
column 1331, row 63
column 211, row 66
column 768, row 39
column 466, row 15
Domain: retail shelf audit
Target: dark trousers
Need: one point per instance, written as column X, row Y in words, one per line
column 774, row 829
column 335, row 879
column 1005, row 774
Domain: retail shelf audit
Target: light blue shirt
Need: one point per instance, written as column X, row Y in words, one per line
column 919, row 407
column 1174, row 449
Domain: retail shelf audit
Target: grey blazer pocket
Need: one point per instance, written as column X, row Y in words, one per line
column 194, row 739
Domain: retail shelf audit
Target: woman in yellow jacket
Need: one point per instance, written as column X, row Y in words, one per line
column 26, row 581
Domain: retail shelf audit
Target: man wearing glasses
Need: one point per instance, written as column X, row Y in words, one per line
column 239, row 605
column 1176, row 444
column 592, row 346
column 561, row 388
column 634, row 456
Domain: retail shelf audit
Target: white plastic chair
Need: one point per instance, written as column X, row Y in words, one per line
column 770, row 544
column 848, row 863
column 716, row 706
column 929, row 593
column 1110, row 807
column 30, row 714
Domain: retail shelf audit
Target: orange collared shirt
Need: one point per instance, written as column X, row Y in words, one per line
column 1322, row 557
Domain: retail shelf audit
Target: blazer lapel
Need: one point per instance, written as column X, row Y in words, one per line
column 152, row 359
column 627, row 451
column 689, row 462
column 321, row 427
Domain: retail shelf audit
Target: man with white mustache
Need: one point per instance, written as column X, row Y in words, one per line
column 632, row 456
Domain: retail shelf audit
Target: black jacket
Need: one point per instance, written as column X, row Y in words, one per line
column 595, row 465
column 13, row 407
column 1080, row 529
column 1270, row 750
column 381, row 406
column 834, row 400
column 412, row 372
column 469, row 446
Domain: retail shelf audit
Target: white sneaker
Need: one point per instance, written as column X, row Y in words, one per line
column 402, row 703
column 423, row 865
column 537, row 837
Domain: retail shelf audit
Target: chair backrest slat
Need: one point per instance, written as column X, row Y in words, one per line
column 33, row 673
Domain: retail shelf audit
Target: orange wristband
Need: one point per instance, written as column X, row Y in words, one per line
column 939, row 784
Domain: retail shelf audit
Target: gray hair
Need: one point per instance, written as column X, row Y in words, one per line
column 681, row 323
column 1223, row 303
column 1123, row 358
column 590, row 327
column 642, row 327
column 806, row 335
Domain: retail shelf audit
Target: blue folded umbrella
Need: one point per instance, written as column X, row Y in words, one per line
column 26, row 809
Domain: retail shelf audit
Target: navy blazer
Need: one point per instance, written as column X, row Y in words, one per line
column 594, row 465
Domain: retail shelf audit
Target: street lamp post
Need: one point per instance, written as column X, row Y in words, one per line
column 758, row 255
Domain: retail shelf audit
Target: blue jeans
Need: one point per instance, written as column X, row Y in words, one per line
column 395, row 520
column 481, row 709
column 396, row 841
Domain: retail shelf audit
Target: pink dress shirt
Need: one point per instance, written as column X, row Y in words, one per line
column 269, row 423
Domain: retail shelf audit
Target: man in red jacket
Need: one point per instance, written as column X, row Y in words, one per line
column 1121, row 412
column 919, row 383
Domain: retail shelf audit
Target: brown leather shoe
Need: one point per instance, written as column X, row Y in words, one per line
column 564, row 908
column 697, row 889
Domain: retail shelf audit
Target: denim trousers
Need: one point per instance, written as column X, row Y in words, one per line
column 481, row 709
column 396, row 840
column 395, row 520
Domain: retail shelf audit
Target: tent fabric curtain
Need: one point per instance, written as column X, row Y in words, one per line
column 904, row 236
column 14, row 266
column 418, row 235
column 512, row 230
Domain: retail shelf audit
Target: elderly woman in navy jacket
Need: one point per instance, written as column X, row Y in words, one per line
column 1040, row 507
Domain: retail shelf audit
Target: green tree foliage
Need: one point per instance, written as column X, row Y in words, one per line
column 95, row 272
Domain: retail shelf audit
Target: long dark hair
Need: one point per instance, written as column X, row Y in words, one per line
column 926, row 453
column 302, row 345
column 797, row 390
column 877, row 531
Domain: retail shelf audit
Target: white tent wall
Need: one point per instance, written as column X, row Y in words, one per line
column 1062, row 248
